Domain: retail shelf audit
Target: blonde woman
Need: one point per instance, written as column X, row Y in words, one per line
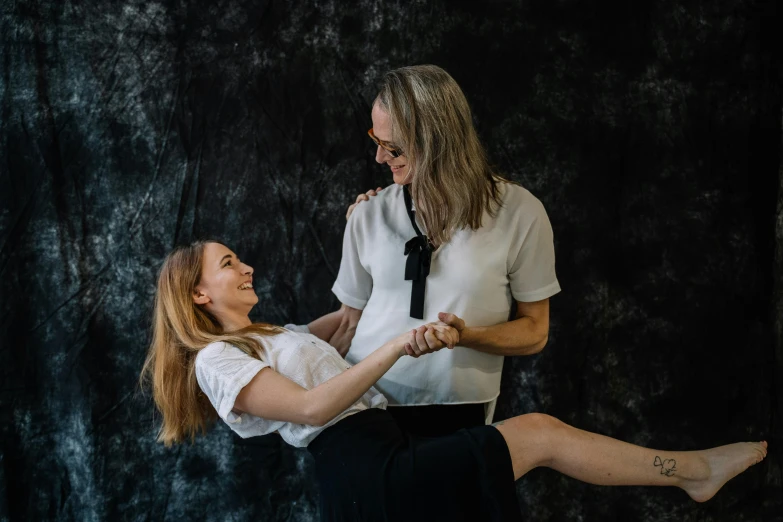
column 207, row 360
column 449, row 236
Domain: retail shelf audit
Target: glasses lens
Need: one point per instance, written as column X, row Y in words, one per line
column 394, row 152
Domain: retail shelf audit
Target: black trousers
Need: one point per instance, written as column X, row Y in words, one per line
column 437, row 419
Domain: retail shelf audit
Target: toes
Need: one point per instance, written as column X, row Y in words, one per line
column 761, row 452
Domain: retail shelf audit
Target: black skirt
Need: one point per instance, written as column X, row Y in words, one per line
column 368, row 469
column 437, row 420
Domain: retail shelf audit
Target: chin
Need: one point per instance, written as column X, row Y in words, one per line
column 399, row 179
column 251, row 302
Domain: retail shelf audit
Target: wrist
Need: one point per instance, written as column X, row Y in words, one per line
column 466, row 337
column 397, row 348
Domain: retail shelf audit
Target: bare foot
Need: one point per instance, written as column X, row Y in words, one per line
column 724, row 463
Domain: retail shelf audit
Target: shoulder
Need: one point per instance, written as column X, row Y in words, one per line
column 221, row 353
column 214, row 354
column 211, row 352
column 387, row 200
column 519, row 201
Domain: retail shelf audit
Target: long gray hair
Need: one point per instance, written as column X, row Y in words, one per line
column 431, row 121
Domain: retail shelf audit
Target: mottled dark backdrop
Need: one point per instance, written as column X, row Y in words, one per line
column 650, row 130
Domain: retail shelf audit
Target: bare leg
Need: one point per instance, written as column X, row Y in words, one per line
column 540, row 440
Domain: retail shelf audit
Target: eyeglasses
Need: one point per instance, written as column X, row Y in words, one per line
column 396, row 153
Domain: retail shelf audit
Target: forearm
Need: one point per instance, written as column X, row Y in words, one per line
column 325, row 326
column 343, row 335
column 329, row 399
column 522, row 336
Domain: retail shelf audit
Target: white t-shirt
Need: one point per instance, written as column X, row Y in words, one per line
column 474, row 276
column 222, row 370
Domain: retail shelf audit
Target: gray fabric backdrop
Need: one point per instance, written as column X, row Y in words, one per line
column 650, row 130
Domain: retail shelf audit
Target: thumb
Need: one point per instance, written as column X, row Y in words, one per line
column 448, row 318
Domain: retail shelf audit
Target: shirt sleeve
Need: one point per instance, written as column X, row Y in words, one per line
column 301, row 328
column 532, row 272
column 222, row 370
column 354, row 282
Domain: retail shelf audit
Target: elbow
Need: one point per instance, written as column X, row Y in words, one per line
column 316, row 416
column 539, row 346
column 313, row 418
column 318, row 422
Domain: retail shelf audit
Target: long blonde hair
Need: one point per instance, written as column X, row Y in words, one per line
column 431, row 121
column 180, row 329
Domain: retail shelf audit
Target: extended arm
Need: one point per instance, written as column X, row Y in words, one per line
column 273, row 396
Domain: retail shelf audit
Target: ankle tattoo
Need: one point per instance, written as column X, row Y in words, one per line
column 668, row 466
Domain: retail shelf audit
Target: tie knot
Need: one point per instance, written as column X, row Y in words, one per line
column 419, row 243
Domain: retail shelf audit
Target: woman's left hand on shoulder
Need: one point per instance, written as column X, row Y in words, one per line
column 360, row 198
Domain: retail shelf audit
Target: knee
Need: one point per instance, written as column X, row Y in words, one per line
column 534, row 438
column 541, row 423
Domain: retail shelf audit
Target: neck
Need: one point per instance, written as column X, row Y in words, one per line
column 232, row 322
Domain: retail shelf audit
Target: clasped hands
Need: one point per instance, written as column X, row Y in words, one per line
column 431, row 337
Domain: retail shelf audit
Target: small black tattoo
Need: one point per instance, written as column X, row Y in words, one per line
column 668, row 466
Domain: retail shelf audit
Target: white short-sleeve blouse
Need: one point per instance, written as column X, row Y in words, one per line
column 222, row 370
column 475, row 276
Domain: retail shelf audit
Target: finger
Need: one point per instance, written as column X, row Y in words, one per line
column 446, row 317
column 415, row 346
column 451, row 319
column 371, row 192
column 454, row 334
column 453, row 337
column 447, row 336
column 350, row 211
column 447, row 330
column 432, row 341
column 362, row 197
column 409, row 350
column 378, row 189
column 420, row 340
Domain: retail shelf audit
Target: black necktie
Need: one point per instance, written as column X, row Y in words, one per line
column 417, row 267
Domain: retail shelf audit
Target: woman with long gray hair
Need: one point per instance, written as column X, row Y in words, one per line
column 449, row 239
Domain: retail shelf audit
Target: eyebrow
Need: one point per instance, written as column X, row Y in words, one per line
column 224, row 258
column 382, row 141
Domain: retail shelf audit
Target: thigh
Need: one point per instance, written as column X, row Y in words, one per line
column 437, row 419
column 465, row 476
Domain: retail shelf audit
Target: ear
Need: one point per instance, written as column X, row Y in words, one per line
column 200, row 298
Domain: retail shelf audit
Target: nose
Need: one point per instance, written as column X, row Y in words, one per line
column 247, row 269
column 382, row 155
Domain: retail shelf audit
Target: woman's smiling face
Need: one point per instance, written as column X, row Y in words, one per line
column 226, row 284
column 381, row 127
